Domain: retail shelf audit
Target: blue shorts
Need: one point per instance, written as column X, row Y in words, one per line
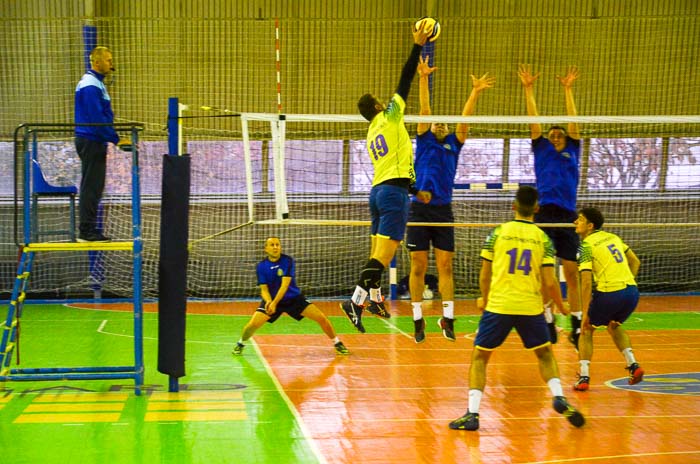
column 494, row 329
column 388, row 205
column 418, row 238
column 565, row 239
column 293, row 307
column 616, row 306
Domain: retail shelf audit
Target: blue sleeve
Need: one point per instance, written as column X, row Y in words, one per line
column 95, row 109
column 409, row 70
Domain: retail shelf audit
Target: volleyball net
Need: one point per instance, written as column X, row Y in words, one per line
column 306, row 179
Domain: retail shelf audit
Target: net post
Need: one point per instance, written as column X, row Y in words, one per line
column 393, row 282
column 174, row 126
column 278, row 135
column 248, row 166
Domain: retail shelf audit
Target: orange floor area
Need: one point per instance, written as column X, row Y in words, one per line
column 391, row 401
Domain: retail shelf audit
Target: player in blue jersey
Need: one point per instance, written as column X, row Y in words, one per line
column 606, row 260
column 437, row 154
column 557, row 160
column 93, row 106
column 390, row 149
column 280, row 294
column 517, row 264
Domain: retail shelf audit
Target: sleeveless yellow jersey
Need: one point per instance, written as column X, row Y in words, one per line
column 518, row 250
column 389, row 145
column 603, row 253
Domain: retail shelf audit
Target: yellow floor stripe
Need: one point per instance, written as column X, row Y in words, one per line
column 196, row 406
column 78, row 397
column 194, row 396
column 77, row 407
column 66, row 418
column 187, row 416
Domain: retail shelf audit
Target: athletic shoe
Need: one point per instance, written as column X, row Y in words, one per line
column 562, row 406
column 354, row 313
column 582, row 383
column 636, row 374
column 238, row 349
column 377, row 308
column 94, row 238
column 469, row 421
column 419, row 330
column 340, row 348
column 448, row 327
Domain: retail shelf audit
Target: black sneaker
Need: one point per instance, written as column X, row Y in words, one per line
column 354, row 313
column 448, row 327
column 377, row 308
column 419, row 330
column 341, row 349
column 238, row 349
column 469, row 421
column 94, row 238
column 562, row 406
column 636, row 374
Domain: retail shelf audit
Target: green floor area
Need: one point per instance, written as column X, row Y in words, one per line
column 229, row 407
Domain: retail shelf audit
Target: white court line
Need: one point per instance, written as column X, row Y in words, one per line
column 305, row 432
column 395, row 328
column 617, row 456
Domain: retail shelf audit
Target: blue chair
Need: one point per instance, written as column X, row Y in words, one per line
column 42, row 188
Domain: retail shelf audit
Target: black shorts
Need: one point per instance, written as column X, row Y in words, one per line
column 418, row 238
column 565, row 239
column 293, row 307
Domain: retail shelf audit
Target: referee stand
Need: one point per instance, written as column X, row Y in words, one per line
column 10, row 328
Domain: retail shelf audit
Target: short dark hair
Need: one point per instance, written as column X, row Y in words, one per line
column 367, row 106
column 526, row 200
column 561, row 128
column 594, row 216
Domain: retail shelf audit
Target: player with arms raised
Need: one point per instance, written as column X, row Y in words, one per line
column 391, row 151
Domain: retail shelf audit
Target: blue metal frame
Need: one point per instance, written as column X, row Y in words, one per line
column 9, row 328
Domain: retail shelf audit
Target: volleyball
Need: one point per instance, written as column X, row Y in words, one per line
column 431, row 25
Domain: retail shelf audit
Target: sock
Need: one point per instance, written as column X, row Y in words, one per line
column 417, row 310
column 359, row 296
column 240, row 341
column 554, row 385
column 629, row 356
column 474, row 400
column 336, row 340
column 375, row 294
column 584, row 363
column 448, row 309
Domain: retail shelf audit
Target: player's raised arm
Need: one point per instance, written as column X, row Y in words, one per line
column 568, row 82
column 420, row 36
column 528, row 80
column 478, row 85
column 424, row 72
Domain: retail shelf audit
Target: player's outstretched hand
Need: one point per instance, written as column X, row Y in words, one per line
column 420, row 36
column 526, row 77
column 571, row 75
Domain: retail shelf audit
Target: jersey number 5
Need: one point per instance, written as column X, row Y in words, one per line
column 520, row 261
column 378, row 147
column 616, row 253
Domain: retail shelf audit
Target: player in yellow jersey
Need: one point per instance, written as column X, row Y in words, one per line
column 517, row 262
column 391, row 151
column 607, row 260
